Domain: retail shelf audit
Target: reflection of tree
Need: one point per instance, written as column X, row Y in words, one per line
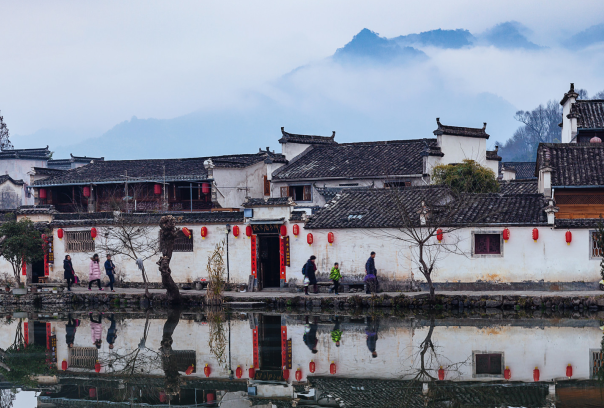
column 170, row 365
column 217, row 339
column 6, row 398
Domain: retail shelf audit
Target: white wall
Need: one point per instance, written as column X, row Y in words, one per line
column 11, row 195
column 232, row 184
column 459, row 148
column 291, row 150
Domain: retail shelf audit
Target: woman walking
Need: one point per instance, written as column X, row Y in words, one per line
column 69, row 274
column 309, row 272
column 95, row 272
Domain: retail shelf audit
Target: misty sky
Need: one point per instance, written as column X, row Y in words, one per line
column 83, row 67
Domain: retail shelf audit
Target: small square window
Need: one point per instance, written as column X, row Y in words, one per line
column 79, row 241
column 488, row 364
column 595, row 252
column 487, row 244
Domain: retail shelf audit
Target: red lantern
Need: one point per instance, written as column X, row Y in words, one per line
column 569, row 371
column 86, row 191
column 60, row 233
column 207, row 370
column 190, row 369
column 332, row 368
column 506, row 234
column 330, row 238
column 239, row 372
column 157, row 189
column 92, row 392
column 536, row 374
column 283, row 230
column 252, row 372
column 97, row 367
column 235, row 231
column 248, row 231
column 205, row 188
column 285, row 374
column 535, row 234
column 93, row 232
column 439, row 235
column 507, row 374
column 64, row 365
column 569, row 237
column 298, row 375
column 186, row 231
column 441, row 373
column 309, row 238
column 296, row 230
column 42, row 193
column 162, row 396
column 311, row 366
column 204, row 232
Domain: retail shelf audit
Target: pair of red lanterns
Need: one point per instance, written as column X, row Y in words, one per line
column 61, row 233
column 312, row 367
column 330, row 238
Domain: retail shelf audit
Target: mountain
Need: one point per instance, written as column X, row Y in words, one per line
column 590, row 36
column 508, row 36
column 437, row 38
column 368, row 46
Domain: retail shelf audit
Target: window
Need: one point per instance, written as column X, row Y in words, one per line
column 488, row 364
column 183, row 359
column 83, row 357
column 298, row 193
column 595, row 251
column 487, row 244
column 182, row 243
column 397, row 184
column 596, row 362
column 267, row 186
column 79, row 241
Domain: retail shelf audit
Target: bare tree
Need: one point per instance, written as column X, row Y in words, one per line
column 5, row 143
column 167, row 231
column 216, row 270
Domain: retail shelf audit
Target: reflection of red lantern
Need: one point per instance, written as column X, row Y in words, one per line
column 330, row 238
column 332, row 368
column 536, row 374
column 506, row 234
column 64, row 365
column 42, row 193
column 283, row 230
column 93, row 232
column 239, row 372
column 162, row 396
column 204, row 232
column 296, row 230
column 248, row 231
column 569, row 371
column 157, row 189
column 207, row 370
column 92, row 392
column 97, row 367
column 311, row 366
column 285, row 374
column 569, row 237
column 252, row 372
column 86, row 191
column 298, row 375
column 309, row 238
column 205, row 188
column 439, row 235
column 190, row 369
column 60, row 233
column 507, row 374
column 441, row 373
column 235, row 231
column 535, row 234
column 186, row 231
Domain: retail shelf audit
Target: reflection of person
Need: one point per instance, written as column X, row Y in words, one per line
column 96, row 331
column 112, row 332
column 336, row 333
column 310, row 335
column 109, row 270
column 373, row 326
column 70, row 330
column 69, row 274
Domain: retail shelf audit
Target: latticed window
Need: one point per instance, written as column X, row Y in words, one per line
column 183, row 360
column 489, row 364
column 596, row 251
column 487, row 244
column 182, row 243
column 79, row 241
column 83, row 357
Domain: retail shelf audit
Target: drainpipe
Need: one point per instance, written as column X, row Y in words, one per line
column 228, row 229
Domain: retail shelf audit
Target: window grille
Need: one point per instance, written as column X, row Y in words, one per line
column 487, row 244
column 79, row 241
column 596, row 363
column 489, row 364
column 595, row 250
column 182, row 243
column 183, row 359
column 83, row 357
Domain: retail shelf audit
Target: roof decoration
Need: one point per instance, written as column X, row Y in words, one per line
column 269, row 202
column 35, row 154
column 306, row 139
column 461, row 131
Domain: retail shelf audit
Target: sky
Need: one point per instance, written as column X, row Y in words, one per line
column 238, row 70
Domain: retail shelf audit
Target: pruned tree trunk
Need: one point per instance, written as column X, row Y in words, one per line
column 168, row 360
column 167, row 226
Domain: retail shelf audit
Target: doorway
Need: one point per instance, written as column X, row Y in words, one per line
column 270, row 343
column 269, row 262
column 37, row 270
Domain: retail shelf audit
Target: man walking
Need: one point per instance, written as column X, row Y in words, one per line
column 372, row 281
column 309, row 271
column 109, row 270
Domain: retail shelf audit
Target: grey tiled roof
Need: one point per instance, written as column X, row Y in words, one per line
column 45, row 171
column 39, row 154
column 297, row 216
column 576, row 223
column 105, row 218
column 524, row 170
column 358, row 160
column 461, row 131
column 306, row 139
column 377, row 208
column 589, row 113
column 6, row 177
column 36, row 209
column 492, row 155
column 519, row 187
column 573, row 164
column 268, row 202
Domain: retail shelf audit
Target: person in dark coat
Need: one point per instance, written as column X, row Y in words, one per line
column 109, row 270
column 373, row 326
column 310, row 270
column 370, row 270
column 112, row 332
column 70, row 330
column 310, row 335
column 69, row 273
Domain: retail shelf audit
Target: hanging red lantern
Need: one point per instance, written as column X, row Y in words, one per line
column 298, row 375
column 441, row 373
column 207, row 370
column 252, row 372
column 64, row 365
column 285, row 374
column 157, row 189
column 535, row 234
column 86, row 191
column 506, row 234
column 330, row 238
column 439, row 235
column 332, row 368
column 311, row 366
column 309, row 239
column 190, row 369
column 248, row 231
column 507, row 374
column 43, row 236
column 296, row 230
column 205, row 188
column 283, row 230
column 93, row 232
column 42, row 193
column 204, row 232
column 569, row 371
column 60, row 233
column 536, row 374
column 97, row 367
column 569, row 237
column 186, row 231
column 235, row 231
column 239, row 372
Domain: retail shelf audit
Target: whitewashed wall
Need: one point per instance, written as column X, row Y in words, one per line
column 232, row 184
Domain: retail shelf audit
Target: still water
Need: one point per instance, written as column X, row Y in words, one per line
column 241, row 359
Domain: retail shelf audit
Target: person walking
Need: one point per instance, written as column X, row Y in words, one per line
column 371, row 274
column 309, row 271
column 70, row 330
column 94, row 275
column 112, row 332
column 96, row 331
column 335, row 277
column 69, row 273
column 109, row 270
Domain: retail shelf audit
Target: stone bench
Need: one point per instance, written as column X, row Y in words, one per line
column 47, row 287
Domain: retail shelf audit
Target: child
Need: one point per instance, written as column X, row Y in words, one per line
column 335, row 276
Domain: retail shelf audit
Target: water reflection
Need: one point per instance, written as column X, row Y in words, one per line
column 196, row 357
